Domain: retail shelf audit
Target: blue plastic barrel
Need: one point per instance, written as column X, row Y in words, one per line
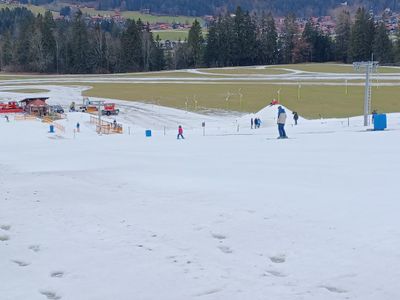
column 380, row 122
column 51, row 129
column 148, row 133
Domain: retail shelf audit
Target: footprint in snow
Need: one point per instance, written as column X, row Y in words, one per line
column 278, row 259
column 57, row 274
column 275, row 273
column 4, row 237
column 225, row 249
column 34, row 248
column 208, row 292
column 218, row 236
column 50, row 295
column 333, row 289
column 21, row 263
column 5, row 227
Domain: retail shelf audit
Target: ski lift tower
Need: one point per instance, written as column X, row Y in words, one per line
column 370, row 67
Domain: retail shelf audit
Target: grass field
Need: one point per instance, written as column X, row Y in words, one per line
column 144, row 17
column 172, row 35
column 91, row 11
column 221, row 89
column 333, row 68
column 241, row 71
column 26, row 91
column 33, row 8
column 315, row 100
column 166, row 74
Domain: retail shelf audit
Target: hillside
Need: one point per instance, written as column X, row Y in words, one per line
column 203, row 7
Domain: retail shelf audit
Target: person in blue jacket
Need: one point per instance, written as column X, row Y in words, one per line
column 281, row 123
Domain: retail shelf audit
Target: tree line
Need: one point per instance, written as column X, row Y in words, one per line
column 39, row 43
column 245, row 39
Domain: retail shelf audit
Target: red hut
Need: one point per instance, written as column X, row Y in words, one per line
column 35, row 106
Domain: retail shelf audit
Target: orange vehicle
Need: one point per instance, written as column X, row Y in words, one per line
column 10, row 107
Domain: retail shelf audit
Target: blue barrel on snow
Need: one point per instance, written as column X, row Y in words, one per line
column 148, row 133
column 380, row 122
column 51, row 129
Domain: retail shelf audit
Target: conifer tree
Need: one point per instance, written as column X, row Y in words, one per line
column 342, row 39
column 289, row 38
column 195, row 45
column 80, row 50
column 268, row 40
column 362, row 36
column 6, row 50
column 383, row 48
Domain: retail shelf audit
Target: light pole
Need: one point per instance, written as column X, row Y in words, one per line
column 298, row 91
column 279, row 95
column 347, row 88
column 195, row 102
column 240, row 98
column 228, row 95
column 370, row 67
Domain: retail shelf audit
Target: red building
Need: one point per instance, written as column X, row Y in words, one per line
column 35, row 106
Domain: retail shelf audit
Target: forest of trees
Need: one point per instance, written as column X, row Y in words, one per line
column 249, row 40
column 39, row 43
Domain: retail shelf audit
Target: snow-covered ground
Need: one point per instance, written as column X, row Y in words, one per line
column 235, row 214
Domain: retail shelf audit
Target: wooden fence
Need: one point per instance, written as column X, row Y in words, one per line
column 24, row 117
column 59, row 127
column 106, row 127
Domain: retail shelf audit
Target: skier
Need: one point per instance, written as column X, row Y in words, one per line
column 255, row 123
column 72, row 107
column 7, row 120
column 374, row 113
column 78, row 126
column 251, row 122
column 295, row 117
column 180, row 133
column 115, row 124
column 281, row 123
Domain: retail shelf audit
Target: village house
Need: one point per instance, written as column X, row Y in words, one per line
column 35, row 106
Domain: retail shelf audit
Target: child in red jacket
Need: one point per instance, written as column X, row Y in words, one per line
column 180, row 132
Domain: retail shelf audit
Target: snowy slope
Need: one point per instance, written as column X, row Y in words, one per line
column 230, row 215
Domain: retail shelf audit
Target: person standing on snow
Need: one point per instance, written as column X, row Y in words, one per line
column 295, row 117
column 180, row 133
column 281, row 123
column 78, row 126
column 252, row 123
column 7, row 119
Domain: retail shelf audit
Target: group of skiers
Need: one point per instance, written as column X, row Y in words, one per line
column 256, row 123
